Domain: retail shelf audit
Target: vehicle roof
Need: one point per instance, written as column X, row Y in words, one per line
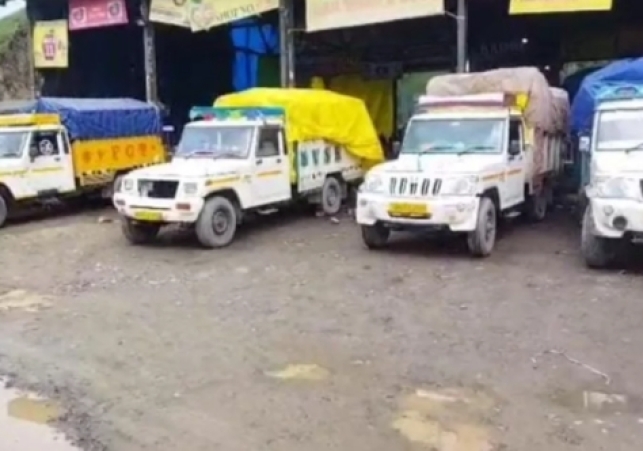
column 626, row 104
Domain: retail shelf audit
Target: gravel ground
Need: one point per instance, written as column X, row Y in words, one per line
column 296, row 337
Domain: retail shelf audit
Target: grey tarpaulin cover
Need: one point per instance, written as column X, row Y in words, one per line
column 542, row 111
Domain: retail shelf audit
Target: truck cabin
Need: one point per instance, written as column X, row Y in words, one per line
column 472, row 124
column 233, row 133
column 618, row 122
column 25, row 136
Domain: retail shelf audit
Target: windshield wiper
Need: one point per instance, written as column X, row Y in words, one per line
column 475, row 149
column 638, row 146
column 430, row 150
column 197, row 152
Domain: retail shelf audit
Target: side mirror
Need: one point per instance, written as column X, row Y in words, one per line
column 396, row 148
column 33, row 153
column 514, row 148
column 584, row 143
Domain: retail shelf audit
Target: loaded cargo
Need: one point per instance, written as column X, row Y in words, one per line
column 253, row 152
column 479, row 147
column 52, row 148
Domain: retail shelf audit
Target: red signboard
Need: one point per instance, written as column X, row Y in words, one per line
column 96, row 13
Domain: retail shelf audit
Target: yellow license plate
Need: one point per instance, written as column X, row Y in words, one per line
column 151, row 216
column 408, row 210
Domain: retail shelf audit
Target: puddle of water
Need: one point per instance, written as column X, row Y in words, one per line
column 301, row 371
column 24, row 422
column 23, row 300
column 599, row 402
column 446, row 420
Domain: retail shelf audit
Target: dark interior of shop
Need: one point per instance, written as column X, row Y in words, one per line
column 193, row 68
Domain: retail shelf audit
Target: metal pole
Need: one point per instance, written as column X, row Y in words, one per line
column 149, row 52
column 32, row 62
column 461, row 23
column 286, row 45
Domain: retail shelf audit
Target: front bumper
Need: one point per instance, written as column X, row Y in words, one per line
column 457, row 214
column 165, row 211
column 614, row 218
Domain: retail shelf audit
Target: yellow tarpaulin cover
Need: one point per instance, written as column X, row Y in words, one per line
column 557, row 6
column 313, row 114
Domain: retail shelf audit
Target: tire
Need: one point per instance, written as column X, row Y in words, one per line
column 331, row 196
column 536, row 206
column 375, row 236
column 4, row 210
column 483, row 239
column 139, row 233
column 221, row 233
column 598, row 252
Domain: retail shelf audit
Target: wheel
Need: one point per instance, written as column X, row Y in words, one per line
column 598, row 252
column 217, row 223
column 139, row 233
column 4, row 210
column 331, row 196
column 482, row 240
column 375, row 236
column 536, row 206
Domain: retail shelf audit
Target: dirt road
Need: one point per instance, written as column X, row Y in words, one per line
column 297, row 338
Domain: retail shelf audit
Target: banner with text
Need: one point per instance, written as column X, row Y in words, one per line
column 96, row 13
column 557, row 6
column 201, row 15
column 50, row 44
column 331, row 14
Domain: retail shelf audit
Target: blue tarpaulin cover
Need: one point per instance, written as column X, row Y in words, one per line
column 620, row 73
column 87, row 119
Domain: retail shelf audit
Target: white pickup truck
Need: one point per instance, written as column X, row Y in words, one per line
column 231, row 162
column 614, row 213
column 465, row 161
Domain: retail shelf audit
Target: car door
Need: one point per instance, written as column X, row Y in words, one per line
column 271, row 177
column 50, row 169
column 514, row 183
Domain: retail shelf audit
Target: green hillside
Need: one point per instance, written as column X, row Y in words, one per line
column 9, row 27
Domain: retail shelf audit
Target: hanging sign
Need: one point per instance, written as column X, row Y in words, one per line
column 96, row 13
column 557, row 6
column 331, row 14
column 201, row 15
column 50, row 44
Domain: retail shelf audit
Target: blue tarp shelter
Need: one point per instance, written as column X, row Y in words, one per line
column 252, row 39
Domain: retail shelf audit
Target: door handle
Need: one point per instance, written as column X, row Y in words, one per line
column 259, row 162
column 57, row 159
column 278, row 160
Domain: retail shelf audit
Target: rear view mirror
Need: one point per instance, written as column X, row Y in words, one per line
column 395, row 148
column 583, row 143
column 33, row 153
column 514, row 148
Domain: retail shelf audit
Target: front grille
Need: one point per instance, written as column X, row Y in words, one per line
column 414, row 186
column 157, row 189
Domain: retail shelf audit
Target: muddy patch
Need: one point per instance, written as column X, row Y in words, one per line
column 300, row 371
column 23, row 300
column 25, row 423
column 447, row 420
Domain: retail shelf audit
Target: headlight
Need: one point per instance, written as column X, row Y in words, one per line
column 614, row 188
column 190, row 188
column 128, row 184
column 372, row 184
column 459, row 186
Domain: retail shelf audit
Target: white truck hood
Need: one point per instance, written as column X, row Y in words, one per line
column 442, row 164
column 617, row 162
column 190, row 168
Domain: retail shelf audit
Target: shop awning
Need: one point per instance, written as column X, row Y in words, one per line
column 557, row 6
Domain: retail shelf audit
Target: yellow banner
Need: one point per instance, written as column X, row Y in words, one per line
column 557, row 6
column 200, row 15
column 50, row 44
column 331, row 14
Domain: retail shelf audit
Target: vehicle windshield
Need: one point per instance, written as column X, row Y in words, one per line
column 12, row 143
column 428, row 136
column 620, row 130
column 217, row 142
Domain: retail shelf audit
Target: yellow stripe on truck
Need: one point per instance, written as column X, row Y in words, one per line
column 117, row 154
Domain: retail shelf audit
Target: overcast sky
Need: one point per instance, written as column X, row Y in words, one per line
column 11, row 7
